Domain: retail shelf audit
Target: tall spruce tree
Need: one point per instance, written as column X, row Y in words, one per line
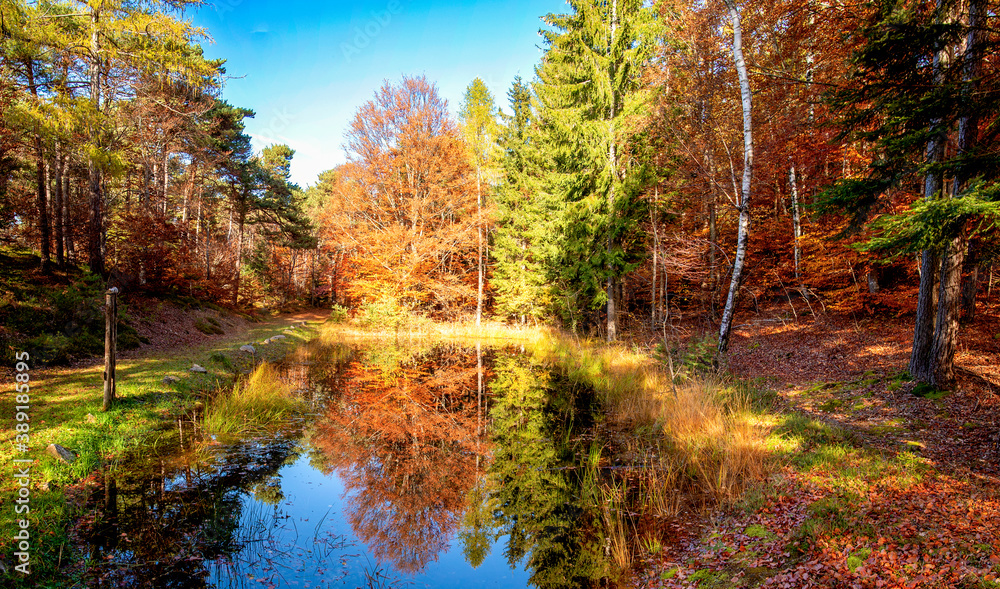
column 523, row 246
column 590, row 92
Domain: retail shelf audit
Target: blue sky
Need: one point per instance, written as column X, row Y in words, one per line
column 305, row 67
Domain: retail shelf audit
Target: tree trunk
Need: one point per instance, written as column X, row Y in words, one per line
column 796, row 223
column 96, row 237
column 67, row 218
column 949, row 305
column 58, row 207
column 479, row 232
column 166, row 177
column 656, row 252
column 239, row 259
column 612, row 156
column 922, row 364
column 713, row 265
column 743, row 199
column 921, row 357
column 970, row 287
column 41, row 180
column 950, row 291
column 938, row 369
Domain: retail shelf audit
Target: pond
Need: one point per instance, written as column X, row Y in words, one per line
column 420, row 465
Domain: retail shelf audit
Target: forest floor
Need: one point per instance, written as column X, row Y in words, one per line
column 872, row 485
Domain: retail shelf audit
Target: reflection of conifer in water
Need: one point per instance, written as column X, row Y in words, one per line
column 162, row 526
column 531, row 491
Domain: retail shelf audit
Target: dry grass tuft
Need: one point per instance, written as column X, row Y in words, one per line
column 711, row 441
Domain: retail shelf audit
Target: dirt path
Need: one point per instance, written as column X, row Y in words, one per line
column 168, row 328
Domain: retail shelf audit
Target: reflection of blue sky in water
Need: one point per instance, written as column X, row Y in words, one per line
column 410, row 470
column 284, row 533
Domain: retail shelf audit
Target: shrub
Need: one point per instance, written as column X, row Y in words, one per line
column 384, row 313
column 338, row 314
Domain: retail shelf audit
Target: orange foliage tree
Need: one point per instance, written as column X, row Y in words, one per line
column 404, row 205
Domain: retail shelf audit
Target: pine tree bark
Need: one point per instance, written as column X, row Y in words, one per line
column 95, row 241
column 41, row 180
column 58, row 207
column 949, row 306
column 922, row 365
column 743, row 198
column 67, row 218
column 950, row 290
column 970, row 287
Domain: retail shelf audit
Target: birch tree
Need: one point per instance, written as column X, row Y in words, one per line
column 742, row 203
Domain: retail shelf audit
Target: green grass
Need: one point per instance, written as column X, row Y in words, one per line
column 832, row 458
column 835, row 512
column 928, row 391
column 858, row 558
column 709, row 579
column 758, row 531
column 256, row 401
column 140, row 421
column 208, row 326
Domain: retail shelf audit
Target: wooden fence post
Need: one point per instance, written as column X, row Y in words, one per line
column 110, row 344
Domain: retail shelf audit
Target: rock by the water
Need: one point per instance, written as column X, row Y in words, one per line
column 170, row 379
column 197, row 368
column 249, row 349
column 60, row 453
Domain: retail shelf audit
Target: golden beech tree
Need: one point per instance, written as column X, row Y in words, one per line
column 404, row 205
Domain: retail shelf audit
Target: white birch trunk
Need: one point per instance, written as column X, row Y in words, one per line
column 743, row 198
column 796, row 222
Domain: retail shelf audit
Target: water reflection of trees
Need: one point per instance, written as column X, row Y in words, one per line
column 161, row 526
column 404, row 432
column 535, row 490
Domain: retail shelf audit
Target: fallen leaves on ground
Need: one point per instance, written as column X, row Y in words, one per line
column 941, row 529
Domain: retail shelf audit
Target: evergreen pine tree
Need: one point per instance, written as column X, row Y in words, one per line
column 590, row 91
column 525, row 218
column 914, row 83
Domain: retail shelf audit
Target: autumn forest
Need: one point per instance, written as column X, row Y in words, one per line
column 685, row 178
column 668, row 157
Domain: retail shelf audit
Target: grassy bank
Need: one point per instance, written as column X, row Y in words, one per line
column 65, row 409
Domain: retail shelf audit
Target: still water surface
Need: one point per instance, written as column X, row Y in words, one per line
column 433, row 465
